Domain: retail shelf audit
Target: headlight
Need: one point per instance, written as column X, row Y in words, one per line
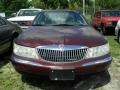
column 98, row 51
column 109, row 23
column 25, row 51
column 28, row 23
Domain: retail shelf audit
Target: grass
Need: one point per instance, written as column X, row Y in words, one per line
column 114, row 69
column 115, row 46
column 11, row 80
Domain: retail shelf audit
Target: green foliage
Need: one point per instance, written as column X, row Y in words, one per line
column 108, row 4
column 60, row 4
column 38, row 4
column 13, row 5
column 50, row 4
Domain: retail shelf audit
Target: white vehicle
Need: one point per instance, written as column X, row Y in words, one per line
column 24, row 17
column 117, row 31
column 2, row 14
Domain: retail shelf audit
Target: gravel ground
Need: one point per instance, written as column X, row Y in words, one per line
column 114, row 70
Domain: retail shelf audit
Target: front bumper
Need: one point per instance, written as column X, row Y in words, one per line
column 24, row 28
column 40, row 67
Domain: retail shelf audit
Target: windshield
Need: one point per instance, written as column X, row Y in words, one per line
column 28, row 12
column 111, row 14
column 63, row 18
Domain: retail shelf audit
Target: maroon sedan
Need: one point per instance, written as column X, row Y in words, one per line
column 62, row 45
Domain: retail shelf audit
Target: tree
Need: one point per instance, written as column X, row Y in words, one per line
column 38, row 4
column 50, row 4
column 13, row 5
column 108, row 4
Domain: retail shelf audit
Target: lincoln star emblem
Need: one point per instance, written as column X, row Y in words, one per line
column 61, row 47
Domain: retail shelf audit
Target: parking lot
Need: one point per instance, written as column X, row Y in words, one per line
column 11, row 80
column 59, row 45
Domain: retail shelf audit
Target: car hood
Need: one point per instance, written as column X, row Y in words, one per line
column 111, row 18
column 22, row 18
column 55, row 35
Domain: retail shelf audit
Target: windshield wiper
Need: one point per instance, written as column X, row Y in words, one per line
column 38, row 25
column 62, row 25
column 57, row 24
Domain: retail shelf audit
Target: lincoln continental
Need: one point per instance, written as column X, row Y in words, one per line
column 61, row 45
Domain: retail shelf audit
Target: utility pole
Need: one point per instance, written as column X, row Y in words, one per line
column 94, row 6
column 84, row 7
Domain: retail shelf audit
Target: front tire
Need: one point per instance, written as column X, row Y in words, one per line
column 103, row 30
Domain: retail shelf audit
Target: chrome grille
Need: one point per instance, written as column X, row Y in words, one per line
column 67, row 54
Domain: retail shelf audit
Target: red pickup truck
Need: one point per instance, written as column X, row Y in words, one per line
column 106, row 20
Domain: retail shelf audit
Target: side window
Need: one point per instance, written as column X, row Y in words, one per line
column 98, row 14
column 2, row 22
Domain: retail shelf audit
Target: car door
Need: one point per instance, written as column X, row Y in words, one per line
column 97, row 19
column 94, row 20
column 5, row 30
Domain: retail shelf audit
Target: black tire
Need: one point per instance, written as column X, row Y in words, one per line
column 103, row 30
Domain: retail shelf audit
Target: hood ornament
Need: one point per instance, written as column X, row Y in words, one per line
column 61, row 47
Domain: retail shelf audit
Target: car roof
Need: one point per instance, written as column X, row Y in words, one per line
column 32, row 9
column 66, row 10
column 106, row 10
